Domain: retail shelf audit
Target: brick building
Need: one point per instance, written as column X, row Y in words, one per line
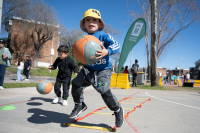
column 162, row 71
column 19, row 43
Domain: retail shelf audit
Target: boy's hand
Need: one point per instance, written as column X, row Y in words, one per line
column 49, row 67
column 102, row 53
column 75, row 74
column 5, row 55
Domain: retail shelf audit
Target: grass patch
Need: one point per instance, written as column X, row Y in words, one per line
column 40, row 71
column 152, row 87
column 20, row 85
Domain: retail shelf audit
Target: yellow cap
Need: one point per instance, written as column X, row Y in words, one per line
column 91, row 13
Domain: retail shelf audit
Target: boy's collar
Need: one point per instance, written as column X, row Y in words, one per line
column 96, row 33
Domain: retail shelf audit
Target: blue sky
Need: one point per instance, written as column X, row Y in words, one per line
column 114, row 12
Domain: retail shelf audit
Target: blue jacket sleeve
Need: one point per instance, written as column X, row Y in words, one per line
column 111, row 44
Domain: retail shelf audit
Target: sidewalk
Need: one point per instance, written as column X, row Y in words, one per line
column 33, row 79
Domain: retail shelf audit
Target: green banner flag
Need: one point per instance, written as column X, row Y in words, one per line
column 135, row 33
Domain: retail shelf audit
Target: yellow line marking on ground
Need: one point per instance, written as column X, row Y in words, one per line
column 90, row 127
column 134, row 100
column 130, row 103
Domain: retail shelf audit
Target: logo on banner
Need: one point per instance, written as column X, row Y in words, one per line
column 137, row 28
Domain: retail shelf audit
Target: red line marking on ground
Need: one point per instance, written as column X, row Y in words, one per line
column 131, row 125
column 81, row 118
column 126, row 116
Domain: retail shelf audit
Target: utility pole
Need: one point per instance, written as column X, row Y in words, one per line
column 180, row 68
column 131, row 57
column 52, row 52
column 1, row 6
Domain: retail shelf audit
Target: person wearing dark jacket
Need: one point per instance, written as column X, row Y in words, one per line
column 27, row 67
column 65, row 65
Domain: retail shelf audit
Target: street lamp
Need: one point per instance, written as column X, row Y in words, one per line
column 180, row 68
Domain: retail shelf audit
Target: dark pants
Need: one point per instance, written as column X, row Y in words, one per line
column 135, row 76
column 26, row 73
column 2, row 73
column 100, row 80
column 66, row 85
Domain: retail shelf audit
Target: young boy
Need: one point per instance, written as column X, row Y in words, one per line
column 97, row 73
column 65, row 65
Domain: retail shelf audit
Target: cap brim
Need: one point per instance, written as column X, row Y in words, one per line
column 85, row 30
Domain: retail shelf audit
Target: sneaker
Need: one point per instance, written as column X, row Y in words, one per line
column 57, row 99
column 77, row 110
column 1, row 88
column 132, row 85
column 16, row 80
column 64, row 103
column 119, row 118
column 26, row 79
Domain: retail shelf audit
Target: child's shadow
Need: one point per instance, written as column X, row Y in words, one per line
column 43, row 116
column 41, row 98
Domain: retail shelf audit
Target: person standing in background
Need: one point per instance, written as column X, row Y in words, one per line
column 167, row 78
column 188, row 76
column 20, row 66
column 27, row 67
column 126, row 71
column 134, row 70
column 184, row 76
column 4, row 56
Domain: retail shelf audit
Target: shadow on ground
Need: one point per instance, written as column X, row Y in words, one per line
column 43, row 116
column 41, row 98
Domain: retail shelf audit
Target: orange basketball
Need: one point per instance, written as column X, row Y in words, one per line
column 44, row 86
column 85, row 48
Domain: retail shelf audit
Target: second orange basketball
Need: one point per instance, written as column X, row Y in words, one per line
column 85, row 48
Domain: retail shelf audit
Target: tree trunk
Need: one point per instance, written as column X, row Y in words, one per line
column 36, row 57
column 148, row 66
column 154, row 73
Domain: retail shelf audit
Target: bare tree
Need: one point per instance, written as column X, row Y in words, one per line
column 112, row 31
column 173, row 16
column 115, row 59
column 21, row 42
column 68, row 37
column 197, row 64
column 42, row 24
column 146, row 14
column 10, row 8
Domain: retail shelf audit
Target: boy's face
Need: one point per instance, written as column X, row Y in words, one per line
column 1, row 45
column 92, row 24
column 62, row 55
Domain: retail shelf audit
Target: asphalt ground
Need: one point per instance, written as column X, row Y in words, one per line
column 166, row 112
